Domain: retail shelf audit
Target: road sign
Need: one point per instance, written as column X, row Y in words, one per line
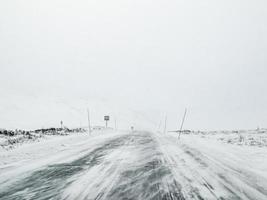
column 106, row 118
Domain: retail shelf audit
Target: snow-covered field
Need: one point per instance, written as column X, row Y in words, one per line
column 9, row 142
column 10, row 139
column 241, row 137
column 137, row 165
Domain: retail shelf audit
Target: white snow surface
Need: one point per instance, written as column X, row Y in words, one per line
column 134, row 165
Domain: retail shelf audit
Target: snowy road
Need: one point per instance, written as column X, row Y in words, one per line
column 138, row 165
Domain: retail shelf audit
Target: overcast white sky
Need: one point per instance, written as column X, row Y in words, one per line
column 133, row 59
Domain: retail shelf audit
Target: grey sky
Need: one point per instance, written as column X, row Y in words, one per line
column 134, row 59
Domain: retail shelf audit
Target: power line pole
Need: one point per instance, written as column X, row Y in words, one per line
column 89, row 124
column 182, row 124
column 165, row 125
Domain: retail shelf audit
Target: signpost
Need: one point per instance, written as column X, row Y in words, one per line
column 115, row 124
column 61, row 124
column 106, row 118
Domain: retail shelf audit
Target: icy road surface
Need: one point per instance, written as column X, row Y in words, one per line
column 133, row 165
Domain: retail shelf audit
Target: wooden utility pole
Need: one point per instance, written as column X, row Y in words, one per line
column 165, row 125
column 182, row 124
column 89, row 124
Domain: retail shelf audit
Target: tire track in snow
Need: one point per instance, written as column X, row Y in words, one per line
column 134, row 171
column 147, row 176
